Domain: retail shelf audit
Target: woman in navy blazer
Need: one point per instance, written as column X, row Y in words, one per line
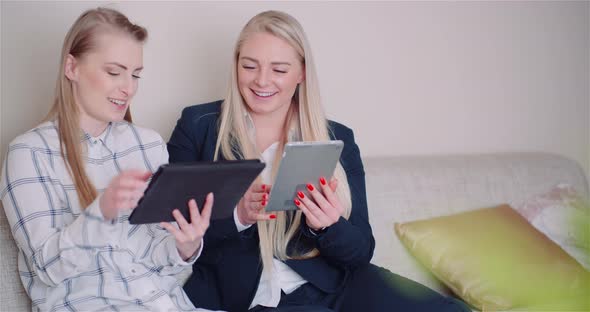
column 314, row 259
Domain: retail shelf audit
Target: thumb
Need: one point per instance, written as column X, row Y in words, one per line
column 143, row 175
column 333, row 184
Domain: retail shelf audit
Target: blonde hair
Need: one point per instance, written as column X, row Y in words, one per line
column 305, row 114
column 80, row 40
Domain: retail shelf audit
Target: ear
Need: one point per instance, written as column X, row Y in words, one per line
column 71, row 68
column 302, row 76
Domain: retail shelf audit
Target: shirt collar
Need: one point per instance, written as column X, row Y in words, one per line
column 103, row 137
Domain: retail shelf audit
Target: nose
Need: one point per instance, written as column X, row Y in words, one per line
column 262, row 78
column 127, row 86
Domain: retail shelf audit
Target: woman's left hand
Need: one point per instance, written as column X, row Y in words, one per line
column 188, row 236
column 323, row 208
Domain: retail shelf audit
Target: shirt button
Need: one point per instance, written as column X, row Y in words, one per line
column 133, row 271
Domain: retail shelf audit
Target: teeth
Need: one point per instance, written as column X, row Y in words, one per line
column 118, row 102
column 264, row 94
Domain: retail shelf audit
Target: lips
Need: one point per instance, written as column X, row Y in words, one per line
column 264, row 94
column 117, row 102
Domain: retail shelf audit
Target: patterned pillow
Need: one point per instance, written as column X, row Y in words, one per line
column 563, row 216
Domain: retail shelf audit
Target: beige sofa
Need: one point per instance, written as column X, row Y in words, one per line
column 401, row 189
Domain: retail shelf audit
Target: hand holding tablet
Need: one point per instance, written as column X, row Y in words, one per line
column 302, row 163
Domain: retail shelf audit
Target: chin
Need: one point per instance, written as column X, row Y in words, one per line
column 118, row 118
column 263, row 108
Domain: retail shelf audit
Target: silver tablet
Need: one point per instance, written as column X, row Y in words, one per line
column 302, row 163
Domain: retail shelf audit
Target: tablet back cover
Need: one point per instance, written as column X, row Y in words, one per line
column 174, row 185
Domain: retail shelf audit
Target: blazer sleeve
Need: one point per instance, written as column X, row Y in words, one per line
column 350, row 243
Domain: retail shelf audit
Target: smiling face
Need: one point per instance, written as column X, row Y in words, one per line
column 105, row 79
column 269, row 70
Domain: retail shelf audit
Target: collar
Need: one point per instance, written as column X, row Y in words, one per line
column 103, row 137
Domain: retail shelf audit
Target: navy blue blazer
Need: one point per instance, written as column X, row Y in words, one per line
column 227, row 273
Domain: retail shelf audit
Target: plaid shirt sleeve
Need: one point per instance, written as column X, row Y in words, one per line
column 30, row 200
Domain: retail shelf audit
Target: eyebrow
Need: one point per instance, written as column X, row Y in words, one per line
column 256, row 61
column 123, row 66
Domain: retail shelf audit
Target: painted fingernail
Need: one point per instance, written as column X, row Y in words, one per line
column 297, row 202
column 301, row 195
column 323, row 181
column 264, row 203
column 264, row 196
column 273, row 216
column 263, row 187
column 310, row 187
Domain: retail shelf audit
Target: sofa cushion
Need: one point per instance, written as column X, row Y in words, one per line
column 562, row 215
column 12, row 294
column 408, row 188
column 495, row 260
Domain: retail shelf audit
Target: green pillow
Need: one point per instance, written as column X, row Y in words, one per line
column 495, row 260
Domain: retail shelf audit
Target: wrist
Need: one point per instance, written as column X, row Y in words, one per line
column 318, row 231
column 242, row 218
column 106, row 215
column 189, row 253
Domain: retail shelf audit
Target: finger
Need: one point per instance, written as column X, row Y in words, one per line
column 328, row 192
column 171, row 228
column 193, row 209
column 207, row 209
column 137, row 174
column 260, row 188
column 318, row 197
column 333, row 184
column 130, row 183
column 259, row 216
column 258, row 196
column 312, row 220
column 311, row 206
column 125, row 199
column 261, row 205
column 182, row 223
column 135, row 199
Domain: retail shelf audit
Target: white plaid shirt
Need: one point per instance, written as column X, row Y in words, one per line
column 71, row 259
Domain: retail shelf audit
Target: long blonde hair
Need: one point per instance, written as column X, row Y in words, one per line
column 305, row 115
column 80, row 40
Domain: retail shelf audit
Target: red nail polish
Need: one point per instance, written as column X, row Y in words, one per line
column 323, row 181
column 264, row 197
column 301, row 195
column 273, row 216
column 297, row 202
column 263, row 187
column 264, row 203
column 310, row 187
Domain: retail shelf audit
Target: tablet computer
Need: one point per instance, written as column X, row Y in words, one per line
column 302, row 163
column 173, row 185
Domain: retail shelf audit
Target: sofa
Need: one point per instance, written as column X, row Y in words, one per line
column 400, row 189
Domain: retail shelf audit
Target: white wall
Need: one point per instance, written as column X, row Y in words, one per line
column 409, row 77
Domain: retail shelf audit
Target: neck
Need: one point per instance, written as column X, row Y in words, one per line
column 93, row 127
column 269, row 128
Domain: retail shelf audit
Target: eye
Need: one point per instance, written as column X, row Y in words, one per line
column 249, row 67
column 280, row 71
column 113, row 73
column 135, row 76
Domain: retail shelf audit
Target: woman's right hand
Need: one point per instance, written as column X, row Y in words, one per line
column 123, row 192
column 251, row 206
